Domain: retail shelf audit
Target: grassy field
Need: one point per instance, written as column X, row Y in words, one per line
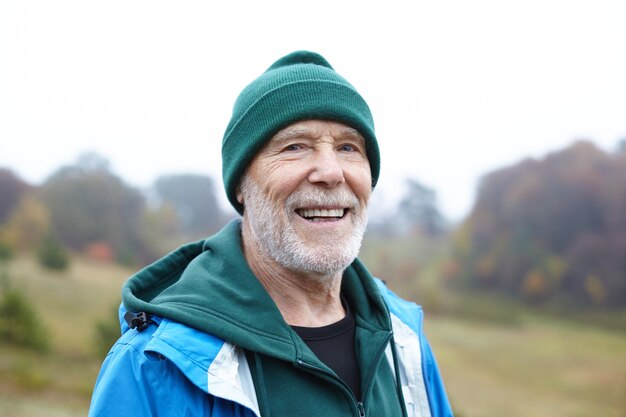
column 532, row 366
column 59, row 382
column 535, row 368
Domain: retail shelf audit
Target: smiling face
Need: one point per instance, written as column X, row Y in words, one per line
column 305, row 196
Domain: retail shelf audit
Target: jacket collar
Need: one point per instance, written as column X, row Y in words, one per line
column 209, row 287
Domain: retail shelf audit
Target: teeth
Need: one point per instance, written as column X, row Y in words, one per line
column 308, row 213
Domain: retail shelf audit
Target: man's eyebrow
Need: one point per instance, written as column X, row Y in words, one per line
column 292, row 133
column 300, row 132
column 352, row 134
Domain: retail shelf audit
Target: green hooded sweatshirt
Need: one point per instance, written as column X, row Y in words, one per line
column 209, row 286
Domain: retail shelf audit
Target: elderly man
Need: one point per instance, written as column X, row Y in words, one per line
column 274, row 315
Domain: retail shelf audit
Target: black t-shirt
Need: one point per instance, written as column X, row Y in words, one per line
column 334, row 345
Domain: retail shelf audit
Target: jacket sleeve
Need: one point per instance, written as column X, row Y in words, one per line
column 139, row 384
column 437, row 397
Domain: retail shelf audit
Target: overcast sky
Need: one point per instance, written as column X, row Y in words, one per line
column 457, row 88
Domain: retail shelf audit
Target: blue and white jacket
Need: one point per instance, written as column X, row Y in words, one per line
column 176, row 369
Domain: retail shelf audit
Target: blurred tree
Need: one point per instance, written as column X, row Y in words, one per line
column 194, row 199
column 88, row 203
column 534, row 285
column 52, row 255
column 27, row 224
column 162, row 229
column 5, row 253
column 11, row 190
column 595, row 289
column 541, row 228
column 106, row 332
column 20, row 324
column 417, row 212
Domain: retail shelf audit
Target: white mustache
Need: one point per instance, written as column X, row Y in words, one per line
column 316, row 197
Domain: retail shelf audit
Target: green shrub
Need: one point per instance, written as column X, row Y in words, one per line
column 53, row 255
column 5, row 252
column 5, row 256
column 107, row 332
column 19, row 323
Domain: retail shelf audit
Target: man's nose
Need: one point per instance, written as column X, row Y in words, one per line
column 327, row 169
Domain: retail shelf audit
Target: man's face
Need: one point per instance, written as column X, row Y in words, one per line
column 305, row 196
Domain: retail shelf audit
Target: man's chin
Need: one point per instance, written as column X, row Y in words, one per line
column 329, row 244
column 324, row 257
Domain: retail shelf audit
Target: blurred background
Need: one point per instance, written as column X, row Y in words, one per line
column 501, row 206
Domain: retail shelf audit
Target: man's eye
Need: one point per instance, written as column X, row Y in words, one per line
column 347, row 148
column 293, row 147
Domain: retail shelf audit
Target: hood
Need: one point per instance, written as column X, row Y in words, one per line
column 209, row 286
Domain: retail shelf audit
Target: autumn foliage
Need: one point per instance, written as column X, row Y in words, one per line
column 87, row 209
column 549, row 230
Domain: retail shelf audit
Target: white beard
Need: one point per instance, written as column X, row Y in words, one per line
column 275, row 236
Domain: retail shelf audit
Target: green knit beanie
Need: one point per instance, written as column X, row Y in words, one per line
column 299, row 86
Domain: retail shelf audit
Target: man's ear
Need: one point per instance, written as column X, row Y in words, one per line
column 239, row 195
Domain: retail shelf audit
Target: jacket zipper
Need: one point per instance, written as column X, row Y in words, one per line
column 379, row 353
column 361, row 408
column 360, row 405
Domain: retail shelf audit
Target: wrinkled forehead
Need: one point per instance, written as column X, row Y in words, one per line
column 314, row 129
